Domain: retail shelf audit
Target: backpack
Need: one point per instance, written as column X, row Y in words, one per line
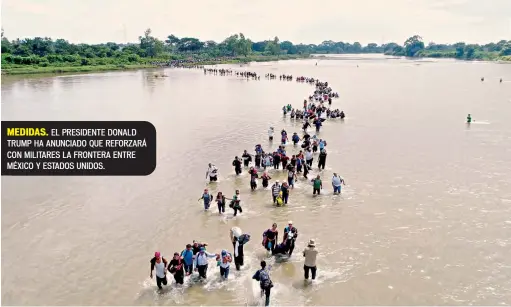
column 264, row 279
column 244, row 238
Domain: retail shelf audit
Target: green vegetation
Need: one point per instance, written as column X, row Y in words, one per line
column 414, row 47
column 44, row 55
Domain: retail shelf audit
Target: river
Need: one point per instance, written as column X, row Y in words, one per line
column 425, row 217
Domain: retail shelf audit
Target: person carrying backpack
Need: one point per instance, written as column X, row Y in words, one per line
column 263, row 277
column 187, row 256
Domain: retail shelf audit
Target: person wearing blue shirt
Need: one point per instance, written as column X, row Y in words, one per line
column 187, row 255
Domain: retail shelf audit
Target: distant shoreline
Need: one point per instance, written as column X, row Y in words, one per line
column 56, row 70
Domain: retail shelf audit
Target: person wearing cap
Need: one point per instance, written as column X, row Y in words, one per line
column 275, row 189
column 220, row 201
column 187, row 256
column 208, row 198
column 290, row 235
column 176, row 268
column 225, row 263
column 310, row 253
column 201, row 262
column 159, row 264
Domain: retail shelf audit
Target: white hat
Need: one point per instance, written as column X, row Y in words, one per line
column 290, row 222
column 276, row 181
column 312, row 243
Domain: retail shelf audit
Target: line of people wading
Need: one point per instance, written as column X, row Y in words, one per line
column 195, row 257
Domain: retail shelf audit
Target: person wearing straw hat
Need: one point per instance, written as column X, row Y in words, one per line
column 310, row 253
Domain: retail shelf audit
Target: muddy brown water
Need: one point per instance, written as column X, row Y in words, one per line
column 425, row 218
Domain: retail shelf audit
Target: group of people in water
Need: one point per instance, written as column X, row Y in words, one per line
column 258, row 164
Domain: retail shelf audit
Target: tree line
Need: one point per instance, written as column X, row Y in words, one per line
column 415, row 47
column 48, row 52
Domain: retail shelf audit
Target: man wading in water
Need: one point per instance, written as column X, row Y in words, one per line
column 275, row 189
column 317, row 185
column 237, row 165
column 159, row 264
column 212, row 172
column 263, row 277
column 247, row 158
column 290, row 235
column 201, row 262
column 235, row 203
column 176, row 268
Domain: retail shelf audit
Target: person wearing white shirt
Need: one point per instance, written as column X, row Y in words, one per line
column 201, row 262
column 212, row 172
column 337, row 181
column 225, row 264
column 309, row 157
column 270, row 133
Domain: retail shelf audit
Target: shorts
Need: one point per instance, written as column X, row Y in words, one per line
column 337, row 189
column 290, row 181
column 212, row 178
column 271, row 138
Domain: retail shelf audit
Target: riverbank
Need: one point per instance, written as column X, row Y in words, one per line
column 37, row 69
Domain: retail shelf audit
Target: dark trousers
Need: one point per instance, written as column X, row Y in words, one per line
column 238, row 261
column 306, row 270
column 276, row 164
column 266, row 292
column 212, row 178
column 236, row 209
column 274, row 198
column 321, row 164
column 203, row 270
column 314, row 191
column 179, row 278
column 160, row 281
column 224, row 272
column 221, row 207
column 237, row 170
column 189, row 268
column 291, row 247
column 285, row 197
column 253, row 185
column 206, row 205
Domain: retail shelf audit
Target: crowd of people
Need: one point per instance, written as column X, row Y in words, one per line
column 315, row 112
